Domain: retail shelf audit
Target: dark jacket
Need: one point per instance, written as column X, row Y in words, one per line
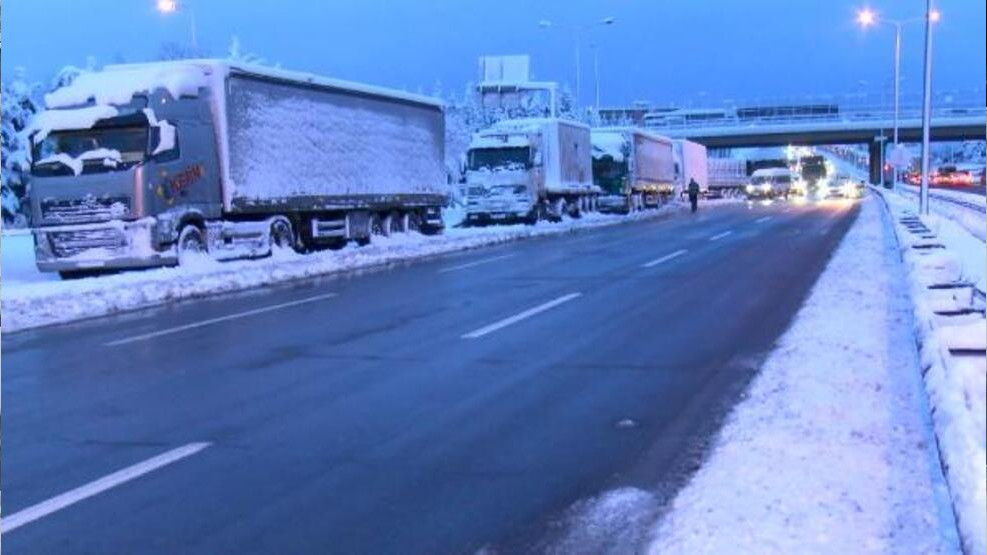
column 693, row 188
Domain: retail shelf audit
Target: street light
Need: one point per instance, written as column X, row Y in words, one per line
column 579, row 29
column 168, row 7
column 866, row 18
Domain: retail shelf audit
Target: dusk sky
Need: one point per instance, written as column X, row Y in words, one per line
column 697, row 51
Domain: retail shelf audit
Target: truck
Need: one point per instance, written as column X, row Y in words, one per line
column 634, row 169
column 142, row 165
column 726, row 175
column 813, row 174
column 529, row 169
column 690, row 163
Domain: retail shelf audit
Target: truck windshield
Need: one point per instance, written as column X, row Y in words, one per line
column 95, row 150
column 496, row 158
column 609, row 175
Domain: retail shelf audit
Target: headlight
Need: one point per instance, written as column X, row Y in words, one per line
column 766, row 187
column 749, row 188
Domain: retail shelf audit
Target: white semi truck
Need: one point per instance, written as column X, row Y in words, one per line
column 691, row 163
column 633, row 168
column 529, row 169
column 138, row 165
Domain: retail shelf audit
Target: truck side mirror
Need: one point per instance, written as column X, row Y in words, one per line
column 537, row 158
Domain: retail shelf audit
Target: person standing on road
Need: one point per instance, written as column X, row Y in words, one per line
column 694, row 194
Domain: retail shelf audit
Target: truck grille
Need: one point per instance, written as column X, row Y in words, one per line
column 88, row 209
column 70, row 243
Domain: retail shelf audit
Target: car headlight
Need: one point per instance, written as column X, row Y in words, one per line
column 766, row 187
column 749, row 188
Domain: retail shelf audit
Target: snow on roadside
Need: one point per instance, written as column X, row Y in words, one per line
column 832, row 450
column 30, row 299
column 955, row 382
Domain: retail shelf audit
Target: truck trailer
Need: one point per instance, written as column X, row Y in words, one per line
column 633, row 168
column 690, row 163
column 529, row 169
column 140, row 165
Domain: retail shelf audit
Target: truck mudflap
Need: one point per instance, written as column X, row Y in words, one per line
column 114, row 244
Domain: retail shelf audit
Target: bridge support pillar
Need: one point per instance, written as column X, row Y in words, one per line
column 876, row 159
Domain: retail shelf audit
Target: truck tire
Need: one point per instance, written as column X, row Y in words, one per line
column 191, row 243
column 282, row 235
column 559, row 209
column 393, row 223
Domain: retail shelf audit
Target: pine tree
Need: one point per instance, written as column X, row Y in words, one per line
column 20, row 101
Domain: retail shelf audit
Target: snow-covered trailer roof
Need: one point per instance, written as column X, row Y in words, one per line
column 117, row 84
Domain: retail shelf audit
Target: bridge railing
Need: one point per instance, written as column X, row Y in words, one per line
column 850, row 108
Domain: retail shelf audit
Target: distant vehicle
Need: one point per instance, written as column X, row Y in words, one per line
column 530, row 169
column 955, row 175
column 633, row 168
column 726, row 174
column 691, row 162
column 813, row 169
column 140, row 165
column 770, row 183
column 841, row 186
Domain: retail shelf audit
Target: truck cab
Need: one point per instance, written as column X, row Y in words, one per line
column 111, row 182
column 503, row 175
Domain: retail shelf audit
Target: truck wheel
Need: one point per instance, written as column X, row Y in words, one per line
column 191, row 243
column 281, row 235
column 393, row 223
column 377, row 225
column 559, row 209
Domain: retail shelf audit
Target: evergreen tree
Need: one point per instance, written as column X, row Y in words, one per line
column 20, row 101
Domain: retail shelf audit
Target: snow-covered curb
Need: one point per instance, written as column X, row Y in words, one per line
column 832, row 450
column 30, row 304
column 956, row 385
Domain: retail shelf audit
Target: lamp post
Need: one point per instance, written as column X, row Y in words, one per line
column 579, row 30
column 866, row 18
column 172, row 6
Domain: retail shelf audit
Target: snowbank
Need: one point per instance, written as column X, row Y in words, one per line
column 953, row 341
column 832, row 449
column 30, row 299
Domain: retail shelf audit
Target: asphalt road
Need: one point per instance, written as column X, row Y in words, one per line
column 435, row 407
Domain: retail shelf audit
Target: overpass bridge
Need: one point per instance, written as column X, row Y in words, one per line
column 962, row 118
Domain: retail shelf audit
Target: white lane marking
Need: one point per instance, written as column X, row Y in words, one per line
column 719, row 236
column 762, row 220
column 520, row 316
column 474, row 263
column 665, row 258
column 59, row 502
column 210, row 321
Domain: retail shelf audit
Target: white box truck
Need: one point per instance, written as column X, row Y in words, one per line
column 690, row 163
column 136, row 165
column 529, row 169
column 633, row 168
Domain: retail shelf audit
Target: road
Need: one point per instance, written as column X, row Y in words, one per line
column 438, row 406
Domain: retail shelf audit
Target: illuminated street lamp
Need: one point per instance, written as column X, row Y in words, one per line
column 579, row 29
column 168, row 7
column 867, row 18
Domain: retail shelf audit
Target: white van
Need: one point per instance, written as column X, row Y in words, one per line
column 770, row 183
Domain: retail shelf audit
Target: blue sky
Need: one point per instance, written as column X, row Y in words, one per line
column 684, row 51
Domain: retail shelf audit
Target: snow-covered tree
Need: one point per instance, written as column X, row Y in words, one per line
column 20, row 101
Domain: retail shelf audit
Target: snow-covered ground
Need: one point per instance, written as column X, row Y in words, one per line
column 952, row 339
column 832, row 451
column 31, row 299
